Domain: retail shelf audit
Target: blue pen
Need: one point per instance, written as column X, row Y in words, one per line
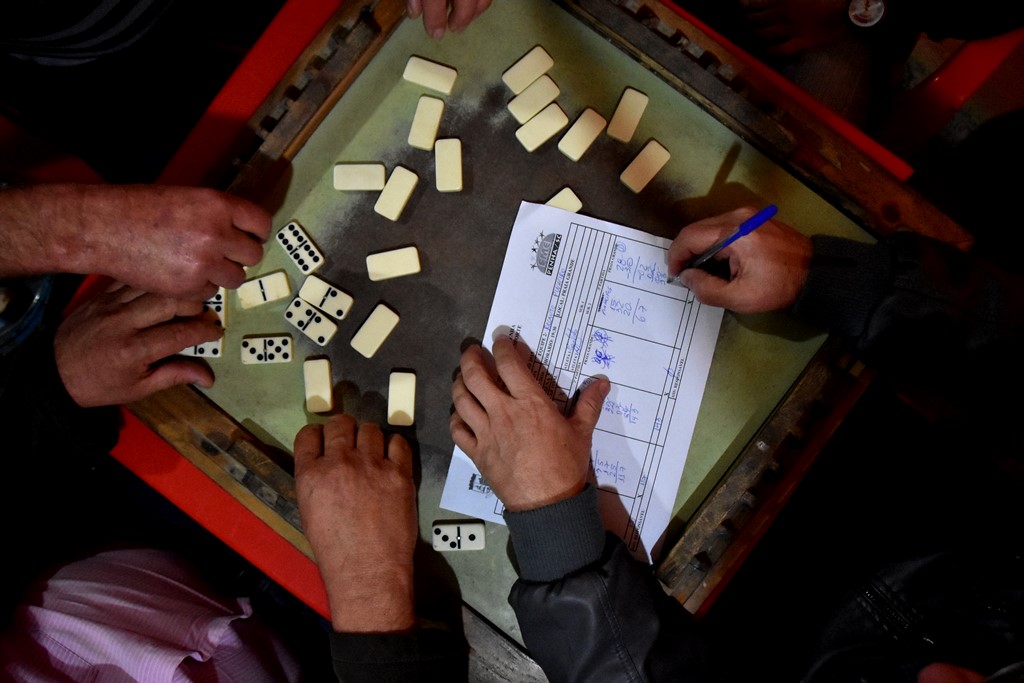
column 746, row 227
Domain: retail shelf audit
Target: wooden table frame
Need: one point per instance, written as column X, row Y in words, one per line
column 842, row 165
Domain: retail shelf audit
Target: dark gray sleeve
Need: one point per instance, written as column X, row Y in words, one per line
column 912, row 296
column 588, row 610
column 558, row 539
column 426, row 654
column 928, row 314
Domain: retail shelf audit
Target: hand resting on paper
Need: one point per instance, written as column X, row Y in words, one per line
column 529, row 453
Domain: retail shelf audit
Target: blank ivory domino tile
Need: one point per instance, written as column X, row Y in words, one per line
column 566, row 199
column 310, row 320
column 581, row 135
column 529, row 68
column 462, row 535
column 359, row 177
column 396, row 193
column 326, row 297
column 385, row 265
column 627, row 114
column 432, row 75
column 448, row 164
column 262, row 349
column 375, row 330
column 296, row 242
column 426, row 122
column 264, row 289
column 402, row 399
column 542, row 127
column 316, row 375
column 645, row 166
column 538, row 95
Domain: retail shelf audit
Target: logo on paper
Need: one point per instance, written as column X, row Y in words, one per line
column 545, row 252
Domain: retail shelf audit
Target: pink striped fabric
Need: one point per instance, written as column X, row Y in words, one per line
column 138, row 615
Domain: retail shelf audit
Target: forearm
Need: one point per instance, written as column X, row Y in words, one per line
column 940, row 324
column 382, row 602
column 606, row 616
column 912, row 298
column 44, row 229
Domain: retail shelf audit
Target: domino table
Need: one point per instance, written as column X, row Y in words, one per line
column 346, row 121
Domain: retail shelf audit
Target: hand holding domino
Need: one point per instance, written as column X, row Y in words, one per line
column 524, row 447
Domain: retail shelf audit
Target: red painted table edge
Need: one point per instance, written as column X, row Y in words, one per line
column 191, row 490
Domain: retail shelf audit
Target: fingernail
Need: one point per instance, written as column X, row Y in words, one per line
column 437, row 34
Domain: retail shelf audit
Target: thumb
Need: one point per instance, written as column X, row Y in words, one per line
column 709, row 289
column 589, row 404
column 173, row 373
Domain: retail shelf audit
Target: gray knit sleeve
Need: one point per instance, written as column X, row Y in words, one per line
column 556, row 540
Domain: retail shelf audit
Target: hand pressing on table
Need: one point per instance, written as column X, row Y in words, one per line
column 530, row 454
column 357, row 501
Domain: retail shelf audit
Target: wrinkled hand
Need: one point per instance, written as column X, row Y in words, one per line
column 176, row 241
column 181, row 242
column 116, row 347
column 789, row 27
column 768, row 267
column 436, row 14
column 530, row 454
column 357, row 501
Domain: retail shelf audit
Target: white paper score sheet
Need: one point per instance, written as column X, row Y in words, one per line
column 589, row 298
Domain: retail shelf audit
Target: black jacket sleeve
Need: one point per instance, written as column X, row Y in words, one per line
column 588, row 610
column 427, row 654
column 41, row 419
column 52, row 451
column 932, row 316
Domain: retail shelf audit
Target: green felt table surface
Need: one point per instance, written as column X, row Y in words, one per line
column 462, row 236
